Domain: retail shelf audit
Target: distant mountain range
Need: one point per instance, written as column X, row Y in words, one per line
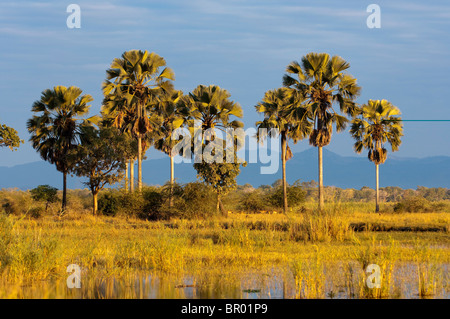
column 340, row 171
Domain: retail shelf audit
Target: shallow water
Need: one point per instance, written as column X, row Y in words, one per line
column 257, row 284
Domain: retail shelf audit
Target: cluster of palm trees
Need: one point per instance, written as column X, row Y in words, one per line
column 305, row 107
column 141, row 102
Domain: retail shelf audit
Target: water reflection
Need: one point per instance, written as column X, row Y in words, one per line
column 275, row 283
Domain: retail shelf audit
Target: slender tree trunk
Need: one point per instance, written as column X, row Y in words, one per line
column 64, row 199
column 132, row 175
column 95, row 203
column 172, row 180
column 220, row 207
column 321, row 200
column 283, row 164
column 126, row 176
column 139, row 163
column 377, row 199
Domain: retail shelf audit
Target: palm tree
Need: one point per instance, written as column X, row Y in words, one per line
column 169, row 119
column 283, row 111
column 379, row 123
column 54, row 132
column 137, row 79
column 322, row 82
column 212, row 106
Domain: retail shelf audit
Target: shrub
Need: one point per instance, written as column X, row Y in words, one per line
column 36, row 212
column 198, row 200
column 108, row 204
column 15, row 202
column 254, row 202
column 153, row 200
column 295, row 195
column 413, row 205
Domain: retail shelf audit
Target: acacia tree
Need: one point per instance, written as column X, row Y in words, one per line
column 220, row 176
column 54, row 131
column 283, row 115
column 45, row 193
column 100, row 158
column 379, row 123
column 322, row 82
column 135, row 80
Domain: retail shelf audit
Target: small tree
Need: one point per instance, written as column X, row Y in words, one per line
column 45, row 193
column 9, row 137
column 221, row 177
column 101, row 158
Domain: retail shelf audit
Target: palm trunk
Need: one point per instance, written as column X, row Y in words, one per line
column 377, row 199
column 132, row 175
column 321, row 200
column 126, row 177
column 283, row 164
column 172, row 179
column 95, row 203
column 64, row 198
column 139, row 163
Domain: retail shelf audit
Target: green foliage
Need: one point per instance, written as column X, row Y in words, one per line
column 36, row 212
column 413, row 205
column 45, row 193
column 101, row 156
column 9, row 137
column 198, row 200
column 254, row 202
column 108, row 204
column 295, row 195
column 379, row 122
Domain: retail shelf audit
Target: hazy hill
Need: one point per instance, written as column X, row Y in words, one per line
column 340, row 171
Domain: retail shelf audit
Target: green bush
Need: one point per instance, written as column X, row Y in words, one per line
column 153, row 201
column 108, row 204
column 198, row 200
column 295, row 195
column 36, row 212
column 414, row 204
column 254, row 202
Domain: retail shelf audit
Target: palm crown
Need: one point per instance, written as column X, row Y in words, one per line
column 283, row 111
column 213, row 107
column 131, row 88
column 322, row 81
column 54, row 132
column 379, row 123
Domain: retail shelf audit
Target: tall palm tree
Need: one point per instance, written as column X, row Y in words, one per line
column 169, row 119
column 137, row 78
column 212, row 106
column 283, row 111
column 54, row 131
column 321, row 80
column 379, row 122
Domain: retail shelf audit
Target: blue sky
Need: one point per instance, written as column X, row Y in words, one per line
column 242, row 46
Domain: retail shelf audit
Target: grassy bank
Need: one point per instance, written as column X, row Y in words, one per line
column 315, row 255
